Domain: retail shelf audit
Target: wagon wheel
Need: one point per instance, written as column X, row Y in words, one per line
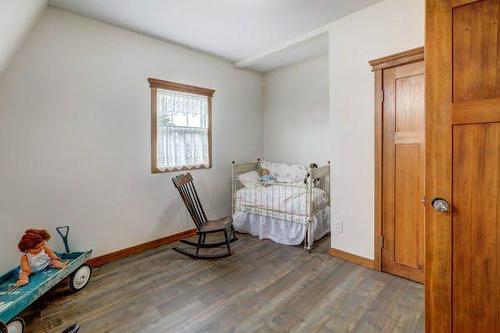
column 15, row 326
column 80, row 278
column 72, row 329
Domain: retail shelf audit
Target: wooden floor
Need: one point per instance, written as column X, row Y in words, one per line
column 263, row 287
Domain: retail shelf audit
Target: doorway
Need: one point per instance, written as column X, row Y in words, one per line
column 400, row 164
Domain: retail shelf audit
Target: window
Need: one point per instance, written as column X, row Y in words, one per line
column 181, row 129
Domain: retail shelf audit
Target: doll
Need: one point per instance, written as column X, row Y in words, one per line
column 37, row 255
column 265, row 176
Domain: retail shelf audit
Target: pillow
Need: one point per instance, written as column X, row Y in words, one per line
column 286, row 173
column 249, row 179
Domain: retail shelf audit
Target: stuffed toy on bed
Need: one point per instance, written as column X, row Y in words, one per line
column 265, row 176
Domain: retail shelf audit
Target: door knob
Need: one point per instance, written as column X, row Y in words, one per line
column 440, row 205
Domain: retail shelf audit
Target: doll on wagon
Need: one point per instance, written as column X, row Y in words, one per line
column 37, row 255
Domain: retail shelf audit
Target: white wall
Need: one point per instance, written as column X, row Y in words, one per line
column 16, row 20
column 75, row 135
column 382, row 29
column 296, row 112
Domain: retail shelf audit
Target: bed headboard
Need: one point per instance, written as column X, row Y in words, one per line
column 238, row 169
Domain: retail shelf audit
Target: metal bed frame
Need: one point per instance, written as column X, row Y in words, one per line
column 317, row 178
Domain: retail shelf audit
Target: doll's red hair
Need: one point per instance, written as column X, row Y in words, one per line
column 31, row 238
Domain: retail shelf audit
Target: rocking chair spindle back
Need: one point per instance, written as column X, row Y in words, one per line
column 185, row 186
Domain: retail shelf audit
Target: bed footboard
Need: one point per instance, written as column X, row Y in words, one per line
column 320, row 178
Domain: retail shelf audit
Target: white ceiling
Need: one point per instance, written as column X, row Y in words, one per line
column 16, row 20
column 231, row 29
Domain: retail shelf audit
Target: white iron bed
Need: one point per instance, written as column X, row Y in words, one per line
column 292, row 209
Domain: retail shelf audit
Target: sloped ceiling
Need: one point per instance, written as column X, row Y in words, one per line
column 232, row 29
column 16, row 19
column 257, row 34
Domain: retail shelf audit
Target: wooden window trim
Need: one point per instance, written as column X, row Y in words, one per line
column 378, row 65
column 156, row 84
column 186, row 88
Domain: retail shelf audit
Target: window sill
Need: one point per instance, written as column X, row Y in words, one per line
column 185, row 168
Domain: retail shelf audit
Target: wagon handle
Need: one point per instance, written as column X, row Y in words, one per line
column 63, row 232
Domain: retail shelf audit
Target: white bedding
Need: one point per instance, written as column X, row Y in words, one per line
column 282, row 231
column 282, row 201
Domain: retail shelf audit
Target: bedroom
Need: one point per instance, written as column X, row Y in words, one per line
column 280, row 81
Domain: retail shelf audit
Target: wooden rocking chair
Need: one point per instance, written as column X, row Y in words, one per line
column 184, row 183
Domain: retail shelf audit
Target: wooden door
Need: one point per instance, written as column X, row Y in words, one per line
column 403, row 171
column 463, row 165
